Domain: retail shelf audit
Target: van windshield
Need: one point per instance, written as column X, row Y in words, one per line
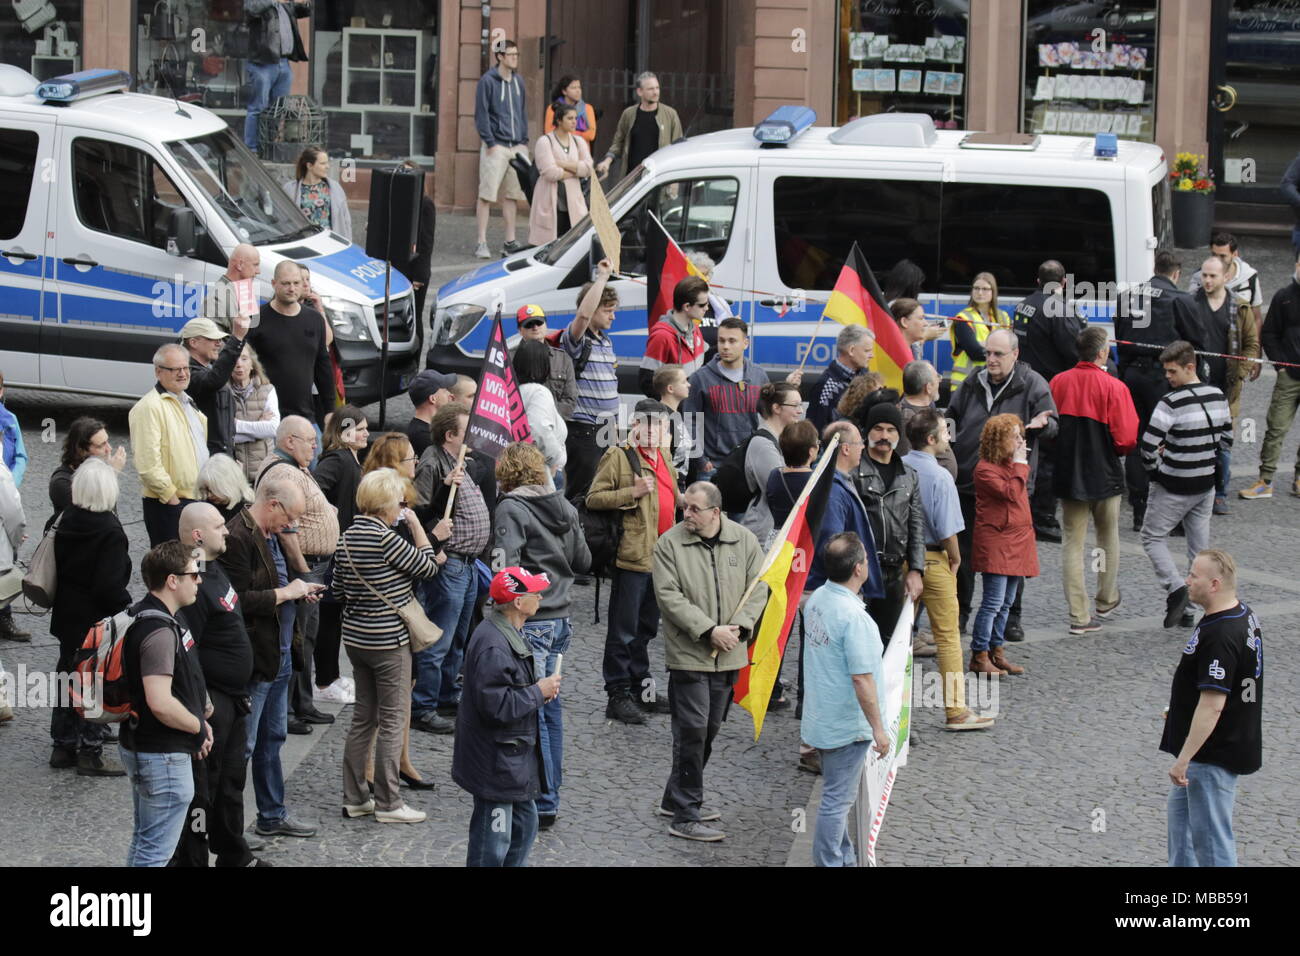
column 552, row 252
column 251, row 202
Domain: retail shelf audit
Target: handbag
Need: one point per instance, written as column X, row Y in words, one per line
column 42, row 576
column 527, row 172
column 422, row 631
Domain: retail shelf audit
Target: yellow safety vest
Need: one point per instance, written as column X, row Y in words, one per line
column 963, row 364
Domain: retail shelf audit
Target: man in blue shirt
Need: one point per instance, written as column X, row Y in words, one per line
column 844, row 674
column 927, row 431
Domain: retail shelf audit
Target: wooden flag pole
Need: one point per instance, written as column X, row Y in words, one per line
column 779, row 541
column 451, row 498
column 816, row 332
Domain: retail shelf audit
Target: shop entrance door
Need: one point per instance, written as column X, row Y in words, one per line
column 1254, row 125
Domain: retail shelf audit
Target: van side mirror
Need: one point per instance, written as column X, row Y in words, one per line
column 182, row 232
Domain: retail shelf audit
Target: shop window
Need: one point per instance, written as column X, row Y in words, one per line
column 17, row 167
column 1090, row 68
column 905, row 56
column 195, row 50
column 42, row 37
column 375, row 72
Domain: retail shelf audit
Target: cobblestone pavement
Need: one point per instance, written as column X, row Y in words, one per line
column 1075, row 744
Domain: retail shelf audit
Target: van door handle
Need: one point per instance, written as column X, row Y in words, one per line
column 79, row 261
column 25, row 256
column 770, row 303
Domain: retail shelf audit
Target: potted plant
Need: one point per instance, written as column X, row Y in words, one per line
column 1191, row 201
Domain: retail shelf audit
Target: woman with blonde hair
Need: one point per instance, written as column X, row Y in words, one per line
column 1004, row 547
column 257, row 412
column 223, row 484
column 861, row 386
column 972, row 326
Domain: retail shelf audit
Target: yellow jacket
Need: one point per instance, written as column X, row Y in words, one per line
column 162, row 445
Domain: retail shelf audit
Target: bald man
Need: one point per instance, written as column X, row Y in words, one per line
column 222, row 304
column 216, row 622
column 290, row 340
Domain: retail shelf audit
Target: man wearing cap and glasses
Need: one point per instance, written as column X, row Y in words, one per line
column 212, row 357
column 562, row 383
column 429, row 391
column 169, row 439
column 498, row 753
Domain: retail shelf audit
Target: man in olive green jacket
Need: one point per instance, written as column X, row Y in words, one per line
column 643, row 128
column 701, row 570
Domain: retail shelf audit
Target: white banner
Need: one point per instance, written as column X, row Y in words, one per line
column 879, row 772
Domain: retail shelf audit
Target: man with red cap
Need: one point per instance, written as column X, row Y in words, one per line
column 498, row 755
column 562, row 383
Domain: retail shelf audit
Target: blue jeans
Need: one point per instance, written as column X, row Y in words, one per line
column 162, row 786
column 501, row 834
column 266, row 85
column 1200, row 817
column 448, row 600
column 1225, row 472
column 999, row 595
column 549, row 639
column 841, row 771
column 268, row 726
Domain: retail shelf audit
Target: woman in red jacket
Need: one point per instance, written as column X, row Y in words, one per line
column 1004, row 548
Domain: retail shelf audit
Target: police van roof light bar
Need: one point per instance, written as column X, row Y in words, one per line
column 72, row 87
column 784, row 125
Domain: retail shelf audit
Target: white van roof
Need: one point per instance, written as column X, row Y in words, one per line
column 148, row 117
column 1069, row 157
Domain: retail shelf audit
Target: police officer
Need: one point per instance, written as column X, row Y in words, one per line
column 1148, row 317
column 1047, row 326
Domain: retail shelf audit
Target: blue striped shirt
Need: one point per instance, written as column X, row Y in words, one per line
column 598, row 384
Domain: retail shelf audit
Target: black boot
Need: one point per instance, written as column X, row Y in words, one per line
column 10, row 629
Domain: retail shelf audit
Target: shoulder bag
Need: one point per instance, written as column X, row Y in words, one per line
column 422, row 631
column 42, row 575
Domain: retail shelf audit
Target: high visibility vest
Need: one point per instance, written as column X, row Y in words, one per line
column 963, row 364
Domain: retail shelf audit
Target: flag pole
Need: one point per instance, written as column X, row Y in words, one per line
column 807, row 352
column 779, row 541
column 451, row 498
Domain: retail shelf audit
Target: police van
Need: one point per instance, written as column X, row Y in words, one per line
column 118, row 209
column 778, row 207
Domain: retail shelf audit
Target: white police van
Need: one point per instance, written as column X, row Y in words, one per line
column 117, row 210
column 779, row 223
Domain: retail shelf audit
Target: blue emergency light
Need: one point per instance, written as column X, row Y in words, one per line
column 1105, row 146
column 78, row 86
column 784, row 125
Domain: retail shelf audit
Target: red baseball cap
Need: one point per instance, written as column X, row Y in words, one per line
column 516, row 582
column 528, row 312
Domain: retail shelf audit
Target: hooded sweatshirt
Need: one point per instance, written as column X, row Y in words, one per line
column 499, row 113
column 538, row 530
column 728, row 404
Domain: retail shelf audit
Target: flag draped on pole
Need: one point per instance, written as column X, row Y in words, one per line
column 665, row 266
column 785, row 569
column 857, row 300
column 498, row 416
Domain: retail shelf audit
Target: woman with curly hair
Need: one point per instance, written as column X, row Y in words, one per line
column 861, row 386
column 1004, row 547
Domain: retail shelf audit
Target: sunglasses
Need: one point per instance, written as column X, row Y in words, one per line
column 196, row 575
column 533, row 323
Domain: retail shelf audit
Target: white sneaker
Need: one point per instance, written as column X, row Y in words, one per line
column 402, row 814
column 335, row 694
column 348, row 684
column 481, row 251
column 359, row 809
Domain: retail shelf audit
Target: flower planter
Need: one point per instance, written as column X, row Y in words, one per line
column 1193, row 214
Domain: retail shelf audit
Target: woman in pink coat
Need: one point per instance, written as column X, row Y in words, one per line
column 1004, row 547
column 563, row 161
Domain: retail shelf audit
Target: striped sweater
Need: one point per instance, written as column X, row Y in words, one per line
column 1191, row 423
column 388, row 564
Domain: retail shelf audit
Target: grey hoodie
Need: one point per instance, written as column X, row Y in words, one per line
column 499, row 112
column 538, row 530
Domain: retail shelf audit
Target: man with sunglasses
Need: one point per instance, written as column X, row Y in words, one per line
column 676, row 338
column 169, row 438
column 563, row 383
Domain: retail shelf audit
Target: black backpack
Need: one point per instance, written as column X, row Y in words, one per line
column 730, row 476
column 604, row 529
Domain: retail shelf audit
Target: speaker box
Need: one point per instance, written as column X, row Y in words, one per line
column 394, row 214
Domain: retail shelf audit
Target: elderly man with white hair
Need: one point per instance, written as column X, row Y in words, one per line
column 169, row 439
column 854, row 347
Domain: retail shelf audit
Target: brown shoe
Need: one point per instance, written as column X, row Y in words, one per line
column 980, row 664
column 968, row 720
column 999, row 658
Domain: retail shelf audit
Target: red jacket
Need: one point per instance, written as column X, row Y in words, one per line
column 668, row 345
column 1098, row 427
column 1004, row 540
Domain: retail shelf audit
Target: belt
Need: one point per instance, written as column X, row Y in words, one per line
column 316, row 558
column 890, row 560
column 467, row 558
column 934, row 547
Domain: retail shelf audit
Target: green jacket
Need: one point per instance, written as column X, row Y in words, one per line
column 611, row 489
column 670, row 130
column 698, row 588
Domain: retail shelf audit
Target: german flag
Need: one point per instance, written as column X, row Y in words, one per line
column 857, row 300
column 665, row 266
column 785, row 569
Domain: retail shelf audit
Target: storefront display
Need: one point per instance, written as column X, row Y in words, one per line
column 899, row 56
column 41, row 36
column 194, row 50
column 1090, row 68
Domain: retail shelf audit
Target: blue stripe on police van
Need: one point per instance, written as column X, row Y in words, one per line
column 352, row 267
column 484, row 273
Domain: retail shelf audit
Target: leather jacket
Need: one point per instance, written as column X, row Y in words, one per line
column 897, row 515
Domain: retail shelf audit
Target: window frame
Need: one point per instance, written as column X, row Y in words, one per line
column 26, row 189
column 150, row 170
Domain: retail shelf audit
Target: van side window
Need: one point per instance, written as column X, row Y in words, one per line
column 817, row 219
column 17, row 170
column 697, row 213
column 1008, row 229
column 122, row 191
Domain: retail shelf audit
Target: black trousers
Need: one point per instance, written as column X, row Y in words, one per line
column 1042, row 503
column 301, row 698
column 216, row 816
column 329, row 640
column 584, row 455
column 633, row 623
column 162, row 520
column 966, row 573
column 698, row 701
column 885, row 610
column 1147, row 385
column 68, row 729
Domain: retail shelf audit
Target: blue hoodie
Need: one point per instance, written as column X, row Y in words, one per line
column 11, row 437
column 499, row 113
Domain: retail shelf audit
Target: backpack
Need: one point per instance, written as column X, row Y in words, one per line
column 604, row 529
column 730, row 476
column 100, row 690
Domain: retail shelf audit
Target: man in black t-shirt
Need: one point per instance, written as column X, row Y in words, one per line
column 216, row 621
column 290, row 341
column 1213, row 721
column 169, row 706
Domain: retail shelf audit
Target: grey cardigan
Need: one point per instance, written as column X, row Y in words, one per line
column 340, row 218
